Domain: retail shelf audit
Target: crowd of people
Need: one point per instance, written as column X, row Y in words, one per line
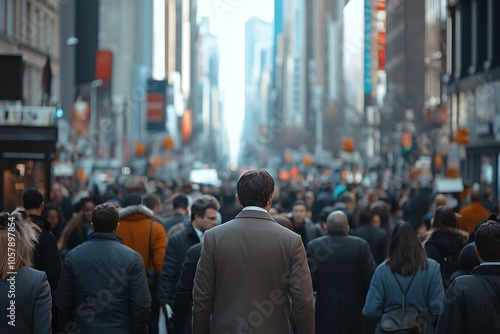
column 253, row 256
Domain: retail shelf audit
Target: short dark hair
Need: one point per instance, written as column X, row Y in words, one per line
column 445, row 217
column 85, row 200
column 151, row 200
column 32, row 199
column 202, row 204
column 105, row 218
column 180, row 202
column 299, row 202
column 255, row 188
column 406, row 255
column 366, row 215
column 345, row 197
column 488, row 241
column 131, row 199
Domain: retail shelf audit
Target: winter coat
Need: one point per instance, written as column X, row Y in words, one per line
column 103, row 288
column 136, row 222
column 32, row 303
column 444, row 245
column 426, row 293
column 377, row 238
column 469, row 307
column 471, row 215
column 341, row 269
column 46, row 255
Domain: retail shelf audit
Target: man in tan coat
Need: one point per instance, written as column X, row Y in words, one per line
column 253, row 275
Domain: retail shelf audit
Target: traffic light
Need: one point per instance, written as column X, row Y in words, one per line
column 406, row 143
column 169, row 143
column 348, row 144
column 307, row 160
column 463, row 136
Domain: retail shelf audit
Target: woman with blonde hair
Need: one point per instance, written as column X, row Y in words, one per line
column 25, row 302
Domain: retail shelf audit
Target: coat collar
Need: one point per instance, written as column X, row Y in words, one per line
column 130, row 210
column 487, row 270
column 105, row 236
column 245, row 214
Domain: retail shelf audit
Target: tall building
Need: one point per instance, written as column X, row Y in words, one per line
column 258, row 65
column 295, row 65
column 405, row 59
column 473, row 89
column 209, row 141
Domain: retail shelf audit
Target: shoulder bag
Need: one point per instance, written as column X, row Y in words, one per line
column 402, row 319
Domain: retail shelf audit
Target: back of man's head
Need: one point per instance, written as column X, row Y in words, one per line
column 151, row 201
column 255, row 188
column 105, row 218
column 180, row 202
column 488, row 241
column 32, row 199
column 131, row 199
column 337, row 222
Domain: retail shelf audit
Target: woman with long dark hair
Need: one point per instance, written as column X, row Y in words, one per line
column 445, row 241
column 406, row 268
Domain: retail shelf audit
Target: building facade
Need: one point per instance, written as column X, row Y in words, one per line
column 473, row 88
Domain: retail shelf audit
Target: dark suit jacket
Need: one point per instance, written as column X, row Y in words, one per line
column 172, row 264
column 32, row 303
column 183, row 300
column 252, row 277
column 341, row 268
column 377, row 238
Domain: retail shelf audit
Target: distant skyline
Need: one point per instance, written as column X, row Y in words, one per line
column 227, row 22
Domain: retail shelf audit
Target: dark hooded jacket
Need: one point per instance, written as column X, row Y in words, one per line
column 472, row 303
column 467, row 261
column 444, row 245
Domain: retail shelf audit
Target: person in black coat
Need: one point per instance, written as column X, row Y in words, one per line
column 181, row 208
column 369, row 230
column 203, row 216
column 302, row 225
column 472, row 305
column 103, row 286
column 445, row 241
column 183, row 300
column 46, row 254
column 341, row 268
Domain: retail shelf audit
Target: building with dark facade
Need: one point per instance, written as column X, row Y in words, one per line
column 473, row 67
column 405, row 60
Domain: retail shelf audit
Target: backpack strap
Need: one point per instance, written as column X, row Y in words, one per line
column 405, row 291
column 489, row 288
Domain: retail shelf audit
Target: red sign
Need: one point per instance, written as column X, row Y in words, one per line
column 104, row 66
column 156, row 107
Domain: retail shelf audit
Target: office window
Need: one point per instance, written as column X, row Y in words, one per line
column 2, row 15
column 34, row 26
column 10, row 17
column 42, row 28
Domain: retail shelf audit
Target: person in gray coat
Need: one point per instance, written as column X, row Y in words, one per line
column 406, row 264
column 25, row 302
column 103, row 286
column 252, row 276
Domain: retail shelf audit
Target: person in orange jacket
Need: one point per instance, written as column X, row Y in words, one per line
column 472, row 213
column 140, row 231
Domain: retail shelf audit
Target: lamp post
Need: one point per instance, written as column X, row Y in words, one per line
column 94, row 131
